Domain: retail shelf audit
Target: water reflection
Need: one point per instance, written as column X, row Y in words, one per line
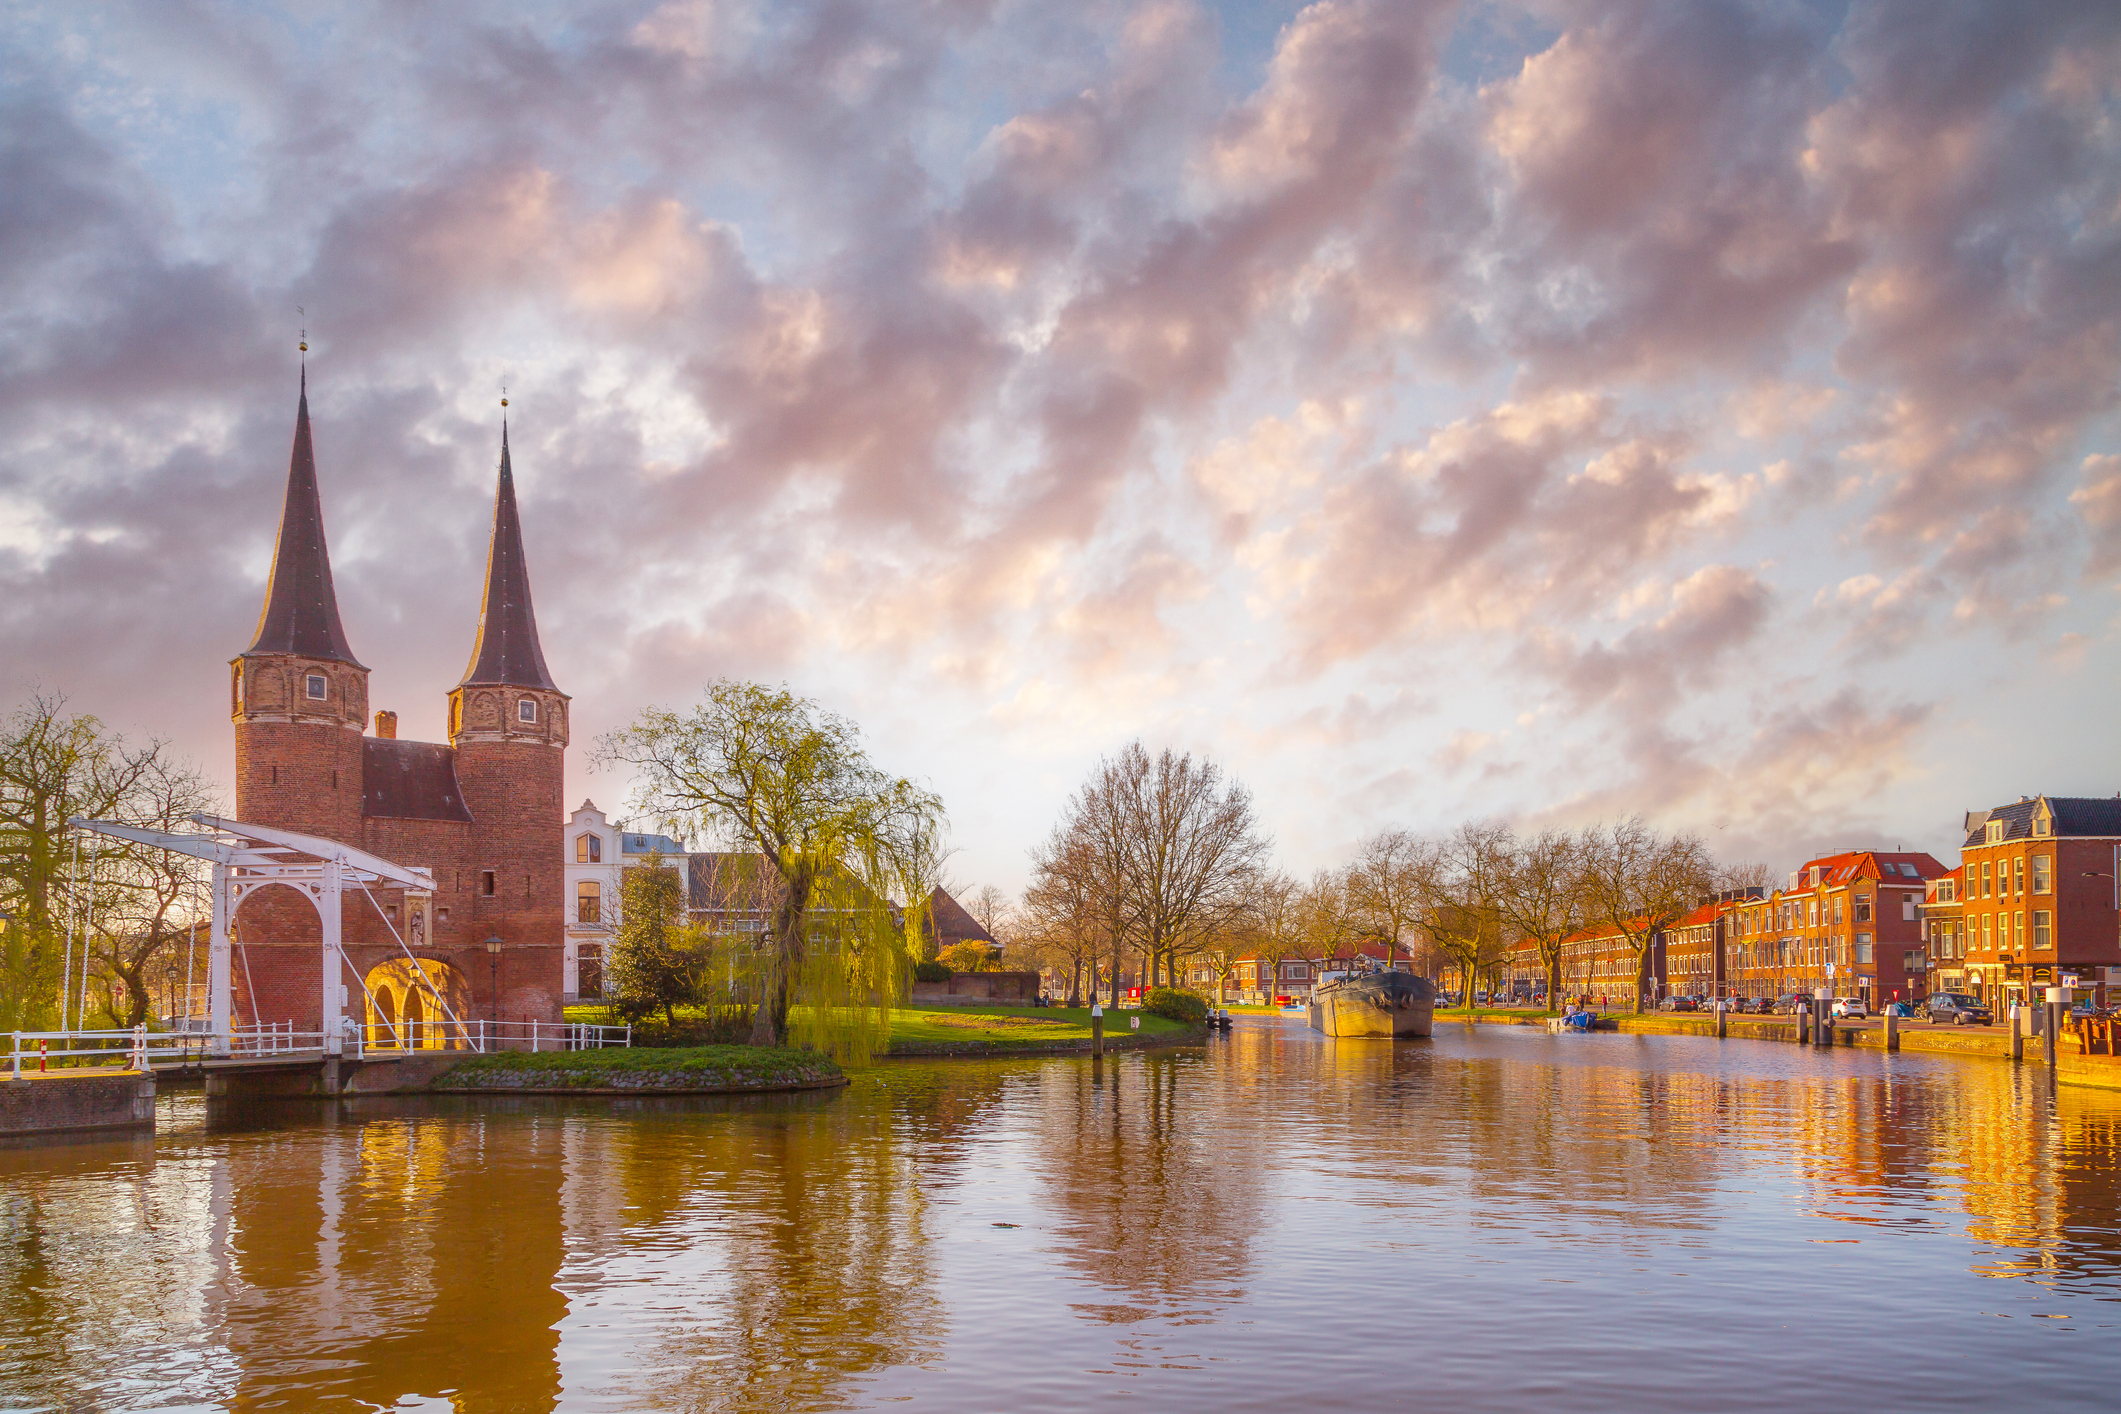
column 1173, row 1223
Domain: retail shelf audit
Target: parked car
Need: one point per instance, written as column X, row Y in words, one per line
column 1789, row 1004
column 1851, row 1008
column 1679, row 1004
column 1959, row 1009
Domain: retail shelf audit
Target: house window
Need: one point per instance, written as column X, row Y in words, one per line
column 2043, row 929
column 1907, row 908
column 1863, row 947
column 588, row 898
column 441, row 916
column 1988, row 878
column 486, row 882
column 1838, row 901
column 2043, row 873
column 1863, row 908
column 588, row 849
column 2040, row 825
column 1995, row 832
column 1913, row 962
column 526, row 709
column 315, row 687
column 2021, row 930
column 589, row 973
column 1988, row 931
column 2020, row 872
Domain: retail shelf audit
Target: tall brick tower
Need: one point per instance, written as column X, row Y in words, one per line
column 298, row 696
column 508, row 726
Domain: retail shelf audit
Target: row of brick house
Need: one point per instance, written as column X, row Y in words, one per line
column 2033, row 904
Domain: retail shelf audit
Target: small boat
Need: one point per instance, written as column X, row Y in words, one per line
column 1373, row 1004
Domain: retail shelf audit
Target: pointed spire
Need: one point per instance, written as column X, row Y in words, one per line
column 301, row 614
column 507, row 649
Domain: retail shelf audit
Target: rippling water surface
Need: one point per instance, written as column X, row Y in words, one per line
column 1493, row 1219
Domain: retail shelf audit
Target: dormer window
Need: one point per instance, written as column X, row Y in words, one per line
column 315, row 687
column 526, row 709
column 2042, row 823
column 1995, row 832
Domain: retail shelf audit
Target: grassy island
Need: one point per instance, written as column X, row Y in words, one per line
column 934, row 1031
column 641, row 1070
column 1000, row 1030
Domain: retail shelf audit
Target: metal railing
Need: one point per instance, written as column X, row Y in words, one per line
column 139, row 1048
column 483, row 1036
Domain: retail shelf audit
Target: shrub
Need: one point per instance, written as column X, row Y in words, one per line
column 930, row 972
column 1187, row 1008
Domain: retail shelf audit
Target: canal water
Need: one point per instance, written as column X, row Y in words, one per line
column 1495, row 1219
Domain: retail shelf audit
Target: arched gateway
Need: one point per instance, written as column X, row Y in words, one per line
column 411, row 1003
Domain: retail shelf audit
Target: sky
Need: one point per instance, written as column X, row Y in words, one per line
column 1547, row 412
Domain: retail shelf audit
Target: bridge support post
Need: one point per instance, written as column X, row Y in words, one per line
column 218, row 988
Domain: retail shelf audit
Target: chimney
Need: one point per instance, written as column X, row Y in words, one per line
column 387, row 726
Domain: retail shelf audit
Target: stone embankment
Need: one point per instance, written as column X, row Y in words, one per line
column 69, row 1101
column 1992, row 1042
column 700, row 1070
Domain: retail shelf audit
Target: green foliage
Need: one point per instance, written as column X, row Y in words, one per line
column 774, row 773
column 29, row 978
column 931, row 972
column 969, row 957
column 1186, row 1008
column 655, row 962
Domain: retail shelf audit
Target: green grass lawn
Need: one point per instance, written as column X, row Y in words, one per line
column 1019, row 1026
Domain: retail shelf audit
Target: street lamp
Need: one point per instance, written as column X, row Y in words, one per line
column 493, row 968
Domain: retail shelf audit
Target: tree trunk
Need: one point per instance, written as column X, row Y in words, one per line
column 1642, row 978
column 1554, row 982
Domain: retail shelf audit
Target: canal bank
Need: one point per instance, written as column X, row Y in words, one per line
column 1988, row 1043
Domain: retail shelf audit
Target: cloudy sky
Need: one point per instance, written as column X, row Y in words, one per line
column 1428, row 410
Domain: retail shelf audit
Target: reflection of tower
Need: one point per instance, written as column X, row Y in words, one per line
column 364, row 1263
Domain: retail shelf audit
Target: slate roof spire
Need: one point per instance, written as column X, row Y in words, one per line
column 507, row 649
column 301, row 614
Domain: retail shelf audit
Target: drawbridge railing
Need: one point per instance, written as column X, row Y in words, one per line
column 41, row 1052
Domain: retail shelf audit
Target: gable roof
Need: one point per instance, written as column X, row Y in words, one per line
column 410, row 780
column 2074, row 815
column 949, row 923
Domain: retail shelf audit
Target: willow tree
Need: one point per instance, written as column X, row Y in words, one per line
column 853, row 848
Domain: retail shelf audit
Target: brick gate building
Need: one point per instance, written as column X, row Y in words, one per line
column 483, row 811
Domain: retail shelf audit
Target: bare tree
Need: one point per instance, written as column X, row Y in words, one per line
column 147, row 901
column 1542, row 897
column 1274, row 921
column 1063, row 907
column 991, row 907
column 1192, row 845
column 1383, row 890
column 1640, row 882
column 1460, row 883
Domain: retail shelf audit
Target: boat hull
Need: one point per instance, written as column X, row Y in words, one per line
column 1388, row 1004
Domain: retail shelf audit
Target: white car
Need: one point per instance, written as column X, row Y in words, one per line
column 1851, row 1007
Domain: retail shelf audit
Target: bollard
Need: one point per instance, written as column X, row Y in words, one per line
column 1823, row 1028
column 1892, row 1029
column 42, row 1051
column 2054, row 1022
column 1723, row 1023
column 2017, row 1033
column 1097, row 1029
column 1803, row 1013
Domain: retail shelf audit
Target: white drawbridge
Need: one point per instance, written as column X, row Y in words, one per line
column 247, row 858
